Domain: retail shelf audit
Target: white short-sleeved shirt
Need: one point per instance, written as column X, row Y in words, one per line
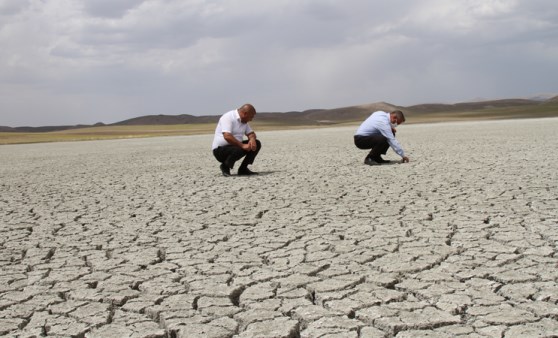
column 230, row 123
column 379, row 123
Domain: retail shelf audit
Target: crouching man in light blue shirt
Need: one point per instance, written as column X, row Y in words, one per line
column 377, row 133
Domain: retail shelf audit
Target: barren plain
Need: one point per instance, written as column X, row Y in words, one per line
column 145, row 238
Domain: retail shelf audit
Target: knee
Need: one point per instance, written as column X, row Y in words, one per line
column 359, row 145
column 258, row 144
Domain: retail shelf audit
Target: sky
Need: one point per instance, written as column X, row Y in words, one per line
column 65, row 62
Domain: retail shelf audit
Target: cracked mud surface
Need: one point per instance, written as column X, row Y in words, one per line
column 145, row 238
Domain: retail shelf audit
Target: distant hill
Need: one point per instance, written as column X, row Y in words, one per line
column 431, row 112
column 166, row 119
column 46, row 129
column 311, row 116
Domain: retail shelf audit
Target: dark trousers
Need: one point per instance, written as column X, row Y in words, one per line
column 377, row 143
column 230, row 154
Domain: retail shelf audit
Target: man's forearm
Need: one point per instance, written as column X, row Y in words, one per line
column 252, row 136
column 232, row 140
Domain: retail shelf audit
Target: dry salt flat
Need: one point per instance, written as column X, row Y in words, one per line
column 145, row 238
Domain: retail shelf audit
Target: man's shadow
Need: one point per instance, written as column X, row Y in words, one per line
column 265, row 173
column 260, row 173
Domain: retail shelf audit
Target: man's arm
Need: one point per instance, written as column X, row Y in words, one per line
column 252, row 140
column 233, row 141
column 389, row 134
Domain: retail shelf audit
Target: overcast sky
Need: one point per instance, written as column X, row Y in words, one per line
column 88, row 61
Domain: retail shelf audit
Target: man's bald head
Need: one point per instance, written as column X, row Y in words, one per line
column 246, row 112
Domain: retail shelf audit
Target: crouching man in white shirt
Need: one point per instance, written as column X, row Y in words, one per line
column 229, row 145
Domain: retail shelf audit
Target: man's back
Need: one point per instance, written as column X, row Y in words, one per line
column 374, row 124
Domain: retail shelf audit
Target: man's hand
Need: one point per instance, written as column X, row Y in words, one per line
column 404, row 159
column 246, row 146
column 252, row 144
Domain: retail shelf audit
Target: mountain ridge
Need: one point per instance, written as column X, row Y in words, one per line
column 329, row 116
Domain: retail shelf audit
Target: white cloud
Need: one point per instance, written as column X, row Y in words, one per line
column 109, row 8
column 98, row 60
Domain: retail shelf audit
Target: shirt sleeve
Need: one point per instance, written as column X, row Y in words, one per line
column 248, row 129
column 226, row 124
column 394, row 144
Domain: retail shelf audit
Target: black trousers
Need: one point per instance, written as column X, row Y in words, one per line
column 230, row 154
column 377, row 143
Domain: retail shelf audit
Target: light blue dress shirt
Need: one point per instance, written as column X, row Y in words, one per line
column 378, row 123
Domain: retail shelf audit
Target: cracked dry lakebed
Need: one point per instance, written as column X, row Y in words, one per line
column 146, row 238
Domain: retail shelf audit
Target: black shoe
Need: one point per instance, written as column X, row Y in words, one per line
column 225, row 169
column 370, row 161
column 246, row 172
column 380, row 160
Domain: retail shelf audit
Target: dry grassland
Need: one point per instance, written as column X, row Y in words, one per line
column 122, row 132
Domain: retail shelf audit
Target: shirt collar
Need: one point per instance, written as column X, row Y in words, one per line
column 237, row 115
